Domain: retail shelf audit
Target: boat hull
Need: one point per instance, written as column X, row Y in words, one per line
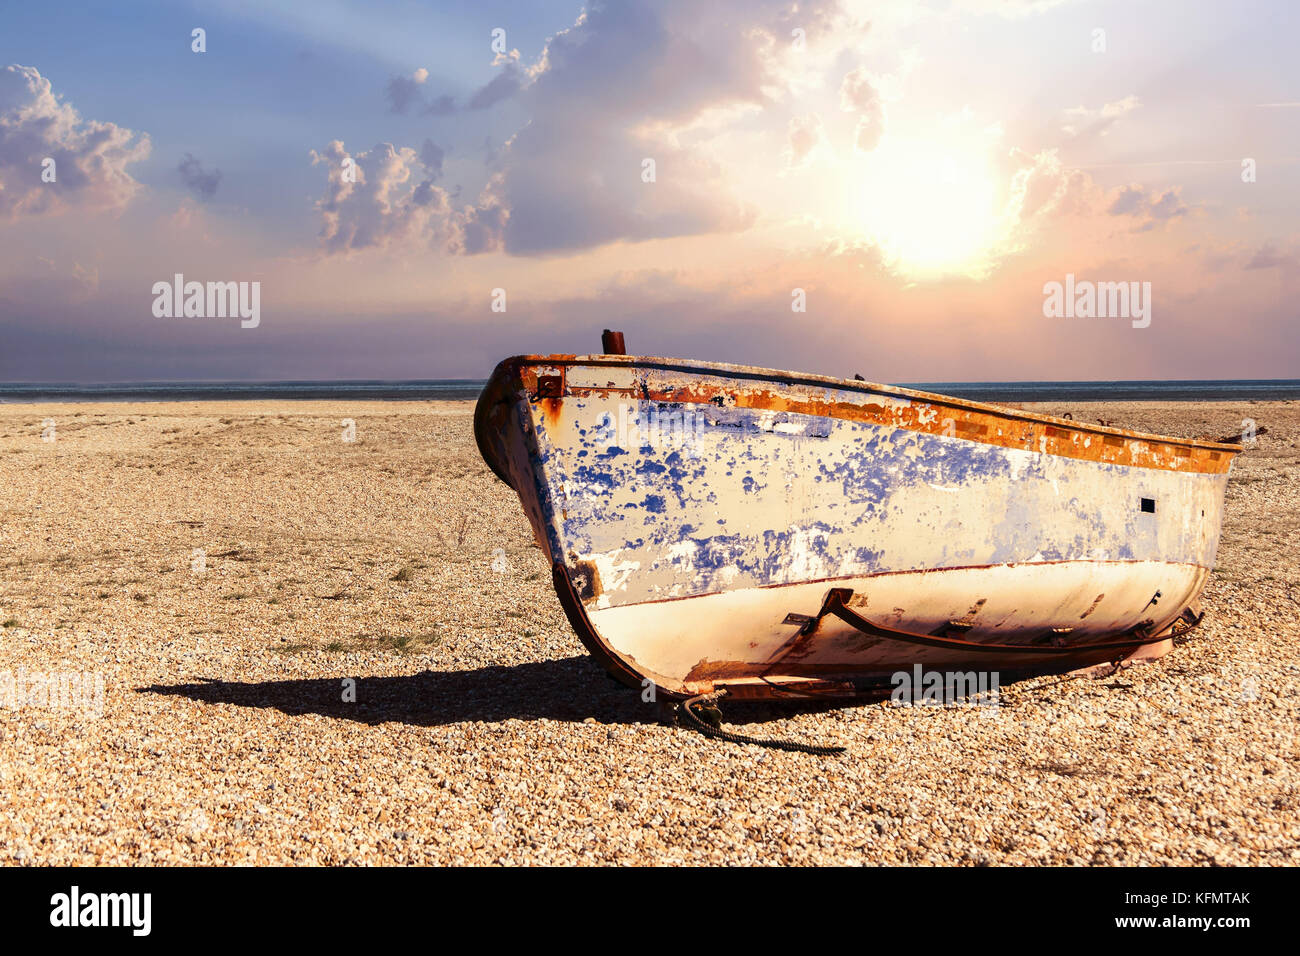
column 698, row 515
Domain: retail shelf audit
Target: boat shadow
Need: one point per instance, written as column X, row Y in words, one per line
column 570, row 689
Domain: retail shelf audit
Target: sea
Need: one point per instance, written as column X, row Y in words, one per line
column 458, row 389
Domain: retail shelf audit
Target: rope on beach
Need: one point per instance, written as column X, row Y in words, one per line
column 1189, row 620
column 711, row 731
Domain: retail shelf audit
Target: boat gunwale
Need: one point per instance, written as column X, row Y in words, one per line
column 853, row 385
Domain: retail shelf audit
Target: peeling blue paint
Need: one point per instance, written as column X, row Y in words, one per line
column 828, row 498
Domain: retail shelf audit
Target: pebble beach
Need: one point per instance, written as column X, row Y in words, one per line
column 318, row 632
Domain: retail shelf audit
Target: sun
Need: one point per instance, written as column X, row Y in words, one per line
column 930, row 204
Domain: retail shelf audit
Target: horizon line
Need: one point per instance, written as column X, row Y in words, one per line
column 200, row 383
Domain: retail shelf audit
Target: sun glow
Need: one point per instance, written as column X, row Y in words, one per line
column 931, row 205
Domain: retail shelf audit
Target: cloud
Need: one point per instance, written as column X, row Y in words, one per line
column 856, row 92
column 371, row 201
column 440, row 106
column 199, row 181
column 1043, row 188
column 1129, row 201
column 1268, row 257
column 403, row 92
column 54, row 283
column 90, row 157
column 403, row 95
column 627, row 87
column 1169, row 206
column 1007, row 9
column 805, row 135
column 482, row 227
column 431, row 155
column 863, row 253
column 634, row 82
column 858, row 95
column 1144, row 205
column 1097, row 122
column 377, row 200
column 501, row 87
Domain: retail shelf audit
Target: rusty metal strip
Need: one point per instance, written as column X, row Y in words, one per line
column 837, row 604
column 986, row 427
column 927, row 413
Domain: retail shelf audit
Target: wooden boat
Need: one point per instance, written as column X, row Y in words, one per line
column 764, row 533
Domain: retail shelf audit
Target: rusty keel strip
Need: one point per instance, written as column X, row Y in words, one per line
column 836, row 604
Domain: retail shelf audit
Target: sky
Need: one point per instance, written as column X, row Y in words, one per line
column 423, row 189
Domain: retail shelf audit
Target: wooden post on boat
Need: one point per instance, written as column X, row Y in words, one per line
column 611, row 343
